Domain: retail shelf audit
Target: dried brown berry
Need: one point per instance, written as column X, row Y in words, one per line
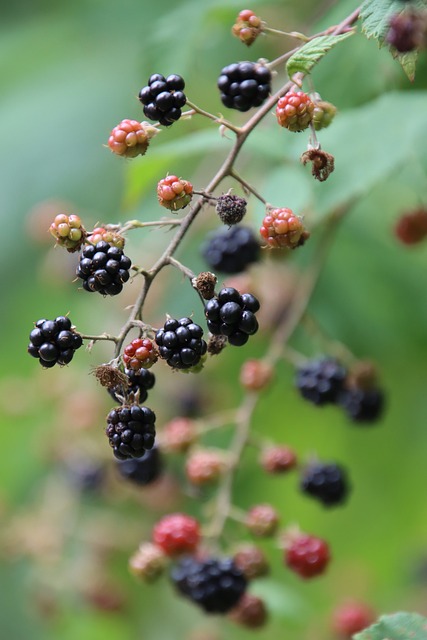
column 250, row 612
column 323, row 163
column 205, row 284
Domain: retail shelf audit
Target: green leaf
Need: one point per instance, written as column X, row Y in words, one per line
column 398, row 626
column 375, row 16
column 312, row 52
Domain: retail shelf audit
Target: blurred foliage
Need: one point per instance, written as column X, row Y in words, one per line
column 69, row 73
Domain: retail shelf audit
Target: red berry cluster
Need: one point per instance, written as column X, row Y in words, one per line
column 141, row 353
column 247, row 27
column 295, row 111
column 281, row 228
column 174, row 193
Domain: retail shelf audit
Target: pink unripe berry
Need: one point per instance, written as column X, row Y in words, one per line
column 281, row 228
column 278, row 459
column 255, row 375
column 148, row 563
column 177, row 533
column 131, row 138
column 178, row 435
column 174, row 193
column 204, row 466
column 350, row 618
column 262, row 520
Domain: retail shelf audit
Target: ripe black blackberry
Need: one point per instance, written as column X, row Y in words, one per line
column 103, row 268
column 232, row 314
column 325, row 482
column 362, row 405
column 140, row 382
column 130, row 431
column 54, row 341
column 142, row 471
column 215, row 584
column 163, row 98
column 180, row 343
column 231, row 250
column 244, row 85
column 321, row 380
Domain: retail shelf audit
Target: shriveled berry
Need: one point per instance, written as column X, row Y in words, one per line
column 177, row 533
column 307, row 555
column 281, row 228
column 140, row 354
column 295, row 111
column 231, row 209
column 131, row 138
column 174, row 193
column 262, row 520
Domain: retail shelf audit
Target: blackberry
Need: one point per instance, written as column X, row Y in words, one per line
column 180, row 343
column 54, row 341
column 231, row 209
column 244, row 85
column 325, row 482
column 362, row 405
column 142, row 471
column 103, row 268
column 130, row 431
column 231, row 250
column 139, row 383
column 163, row 98
column 215, row 584
column 320, row 381
column 233, row 315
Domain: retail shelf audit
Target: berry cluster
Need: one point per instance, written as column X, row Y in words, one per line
column 131, row 138
column 295, row 111
column 244, row 85
column 140, row 354
column 130, row 431
column 281, row 228
column 107, row 235
column 215, row 584
column 181, row 343
column 232, row 314
column 247, row 27
column 54, row 341
column 163, row 98
column 231, row 250
column 142, row 471
column 325, row 482
column 68, row 231
column 174, row 193
column 138, row 384
column 103, row 268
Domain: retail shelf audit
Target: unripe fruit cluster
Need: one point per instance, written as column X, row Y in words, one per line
column 131, row 138
column 281, row 228
column 174, row 193
column 247, row 27
column 295, row 111
column 140, row 354
column 68, row 231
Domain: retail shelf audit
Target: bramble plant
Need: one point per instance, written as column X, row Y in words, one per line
column 199, row 554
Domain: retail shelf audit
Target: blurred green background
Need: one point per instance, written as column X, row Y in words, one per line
column 69, row 73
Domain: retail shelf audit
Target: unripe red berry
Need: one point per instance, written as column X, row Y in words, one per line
column 178, row 435
column 350, row 618
column 278, row 459
column 106, row 235
column 140, row 354
column 306, row 555
column 148, row 562
column 295, row 111
column 252, row 561
column 174, row 193
column 177, row 533
column 282, row 228
column 255, row 375
column 411, row 228
column 68, row 231
column 247, row 27
column 204, row 466
column 262, row 520
column 250, row 612
column 131, row 138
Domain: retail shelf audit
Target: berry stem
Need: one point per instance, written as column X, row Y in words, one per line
column 247, row 186
column 137, row 224
column 290, row 34
column 181, row 267
column 219, row 120
column 103, row 336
